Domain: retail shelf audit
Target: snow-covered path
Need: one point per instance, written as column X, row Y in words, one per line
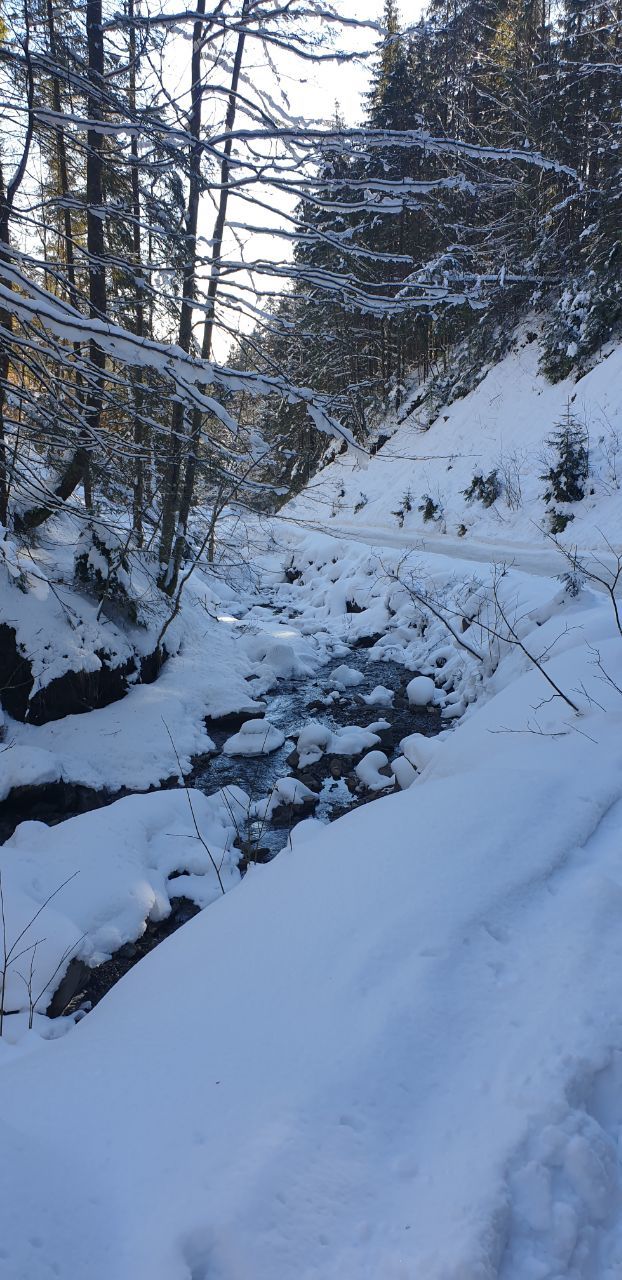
column 394, row 1052
column 527, row 557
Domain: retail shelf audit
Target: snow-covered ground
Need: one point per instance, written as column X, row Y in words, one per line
column 393, row 1051
column 396, row 1050
column 502, row 425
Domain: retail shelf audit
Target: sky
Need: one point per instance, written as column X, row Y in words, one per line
column 310, row 92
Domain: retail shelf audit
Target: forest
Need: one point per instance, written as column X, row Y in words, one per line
column 310, row 640
column 137, row 156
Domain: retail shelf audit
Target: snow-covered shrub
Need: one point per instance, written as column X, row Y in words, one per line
column 101, row 566
column 509, row 468
column 405, row 506
column 361, row 502
column 430, row 509
column 573, row 581
column 569, row 462
column 584, row 318
column 484, row 489
column 559, row 520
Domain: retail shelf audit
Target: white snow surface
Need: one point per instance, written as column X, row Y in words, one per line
column 315, row 740
column 254, row 738
column 345, row 677
column 380, row 696
column 420, row 691
column 502, row 424
column 368, row 772
column 88, row 885
column 394, row 1051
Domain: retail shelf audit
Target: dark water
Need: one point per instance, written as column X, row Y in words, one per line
column 292, row 705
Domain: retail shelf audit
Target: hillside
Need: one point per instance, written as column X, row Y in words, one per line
column 502, row 425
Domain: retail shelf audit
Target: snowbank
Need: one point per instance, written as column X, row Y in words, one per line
column 83, row 888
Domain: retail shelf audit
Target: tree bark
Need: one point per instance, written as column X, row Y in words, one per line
column 167, row 576
column 210, row 302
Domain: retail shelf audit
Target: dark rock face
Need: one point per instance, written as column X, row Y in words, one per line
column 73, row 692
column 83, row 985
column 73, row 982
column 233, row 720
column 16, row 679
column 52, row 802
column 79, row 691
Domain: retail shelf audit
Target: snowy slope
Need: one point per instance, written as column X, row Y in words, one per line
column 394, row 1052
column 503, row 424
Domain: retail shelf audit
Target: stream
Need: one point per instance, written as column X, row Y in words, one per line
column 291, row 705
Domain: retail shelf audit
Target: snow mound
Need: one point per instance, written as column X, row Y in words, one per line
column 315, row 740
column 87, row 886
column 418, row 749
column 368, row 772
column 404, row 773
column 421, row 691
column 27, row 767
column 380, row 696
column 346, row 677
column 254, row 738
column 285, row 793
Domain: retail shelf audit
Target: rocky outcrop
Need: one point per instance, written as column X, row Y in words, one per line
column 74, row 691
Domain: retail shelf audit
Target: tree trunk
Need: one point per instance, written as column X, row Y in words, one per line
column 8, row 194
column 167, row 576
column 212, row 290
column 139, row 311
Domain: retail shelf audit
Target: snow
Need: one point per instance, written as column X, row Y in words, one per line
column 346, row 677
column 26, row 767
column 128, row 743
column 380, row 696
column 404, row 772
column 315, row 740
column 420, row 691
column 502, row 424
column 368, row 772
column 254, row 738
column 286, row 792
column 396, row 1050
column 85, row 887
column 419, row 750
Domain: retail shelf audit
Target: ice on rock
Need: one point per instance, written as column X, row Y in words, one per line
column 347, row 677
column 421, row 691
column 379, row 697
column 254, row 738
column 368, row 772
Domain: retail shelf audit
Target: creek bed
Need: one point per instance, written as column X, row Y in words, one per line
column 292, row 705
column 295, row 703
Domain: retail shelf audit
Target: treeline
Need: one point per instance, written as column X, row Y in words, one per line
column 139, row 154
column 403, row 251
